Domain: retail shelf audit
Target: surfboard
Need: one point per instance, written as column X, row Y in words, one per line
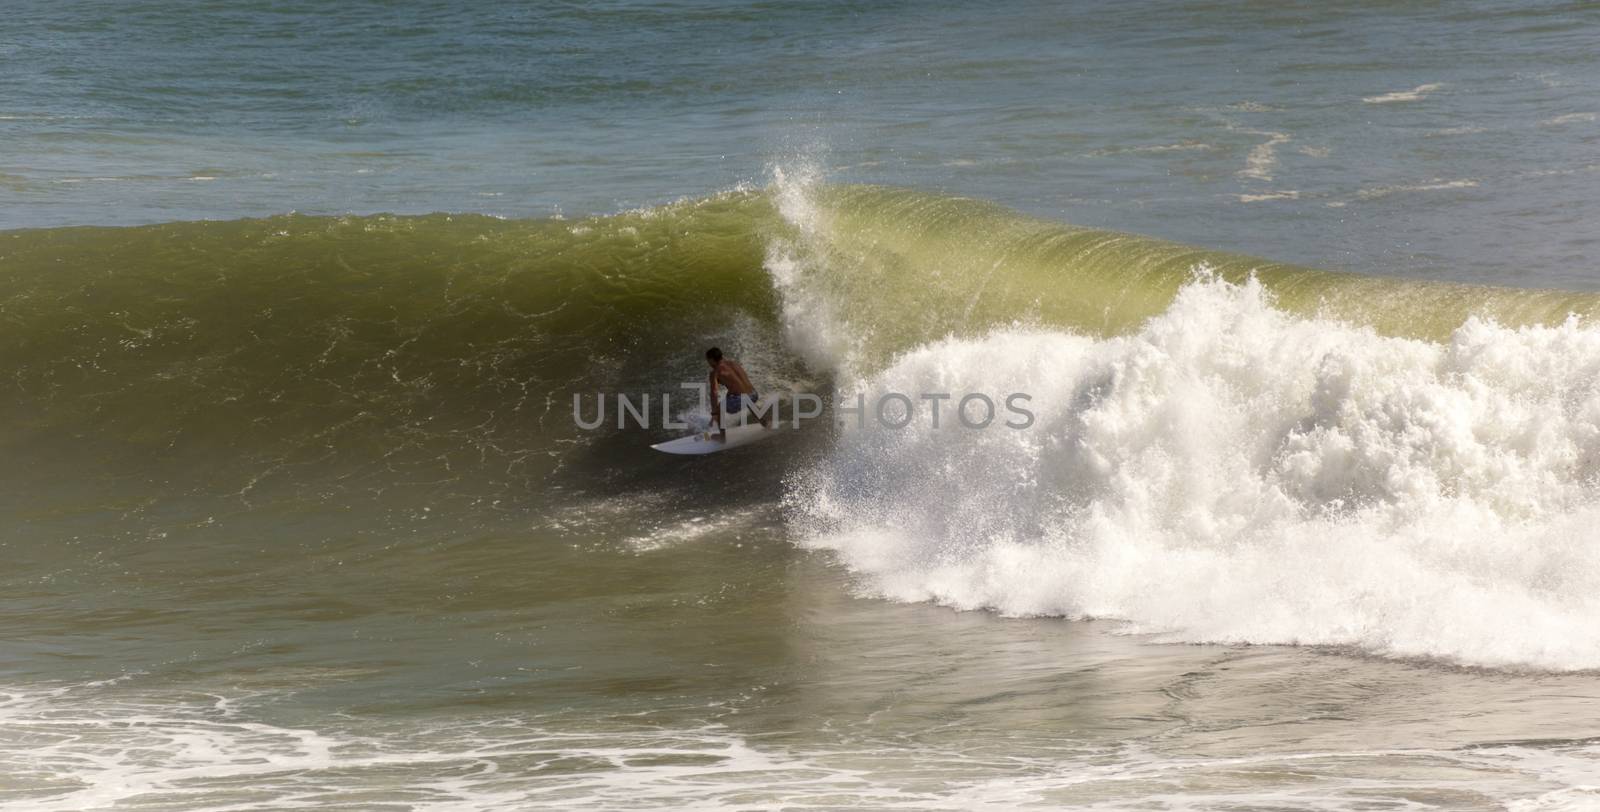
column 708, row 442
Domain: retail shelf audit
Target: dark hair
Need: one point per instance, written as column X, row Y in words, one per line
column 713, row 354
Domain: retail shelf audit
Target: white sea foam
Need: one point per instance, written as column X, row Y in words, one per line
column 80, row 748
column 1437, row 184
column 1413, row 94
column 1574, row 170
column 663, row 535
column 1288, row 194
column 1452, row 131
column 1182, row 146
column 1263, row 157
column 1231, row 473
column 1570, row 118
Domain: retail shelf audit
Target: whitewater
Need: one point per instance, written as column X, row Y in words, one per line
column 1233, row 474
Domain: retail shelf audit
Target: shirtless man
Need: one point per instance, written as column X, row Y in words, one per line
column 741, row 394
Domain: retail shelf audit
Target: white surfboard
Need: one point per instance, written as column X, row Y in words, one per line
column 709, row 442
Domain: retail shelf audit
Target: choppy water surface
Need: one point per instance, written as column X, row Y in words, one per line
column 295, row 300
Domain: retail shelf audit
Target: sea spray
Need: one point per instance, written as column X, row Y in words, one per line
column 1233, row 473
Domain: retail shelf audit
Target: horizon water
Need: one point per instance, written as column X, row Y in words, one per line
column 294, row 300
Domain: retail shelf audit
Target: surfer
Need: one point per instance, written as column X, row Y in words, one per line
column 741, row 393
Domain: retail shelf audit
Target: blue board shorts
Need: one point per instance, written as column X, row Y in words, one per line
column 734, row 403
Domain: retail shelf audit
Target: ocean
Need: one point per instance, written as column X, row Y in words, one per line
column 302, row 304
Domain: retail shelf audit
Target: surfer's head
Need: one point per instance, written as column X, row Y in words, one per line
column 713, row 356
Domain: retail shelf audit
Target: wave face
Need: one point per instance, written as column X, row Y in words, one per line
column 887, row 270
column 1254, row 453
column 303, row 354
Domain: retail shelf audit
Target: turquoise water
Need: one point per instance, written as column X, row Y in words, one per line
column 294, row 299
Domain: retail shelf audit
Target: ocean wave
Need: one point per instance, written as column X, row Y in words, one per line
column 1268, row 453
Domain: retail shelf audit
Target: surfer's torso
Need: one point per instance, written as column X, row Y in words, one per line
column 730, row 376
